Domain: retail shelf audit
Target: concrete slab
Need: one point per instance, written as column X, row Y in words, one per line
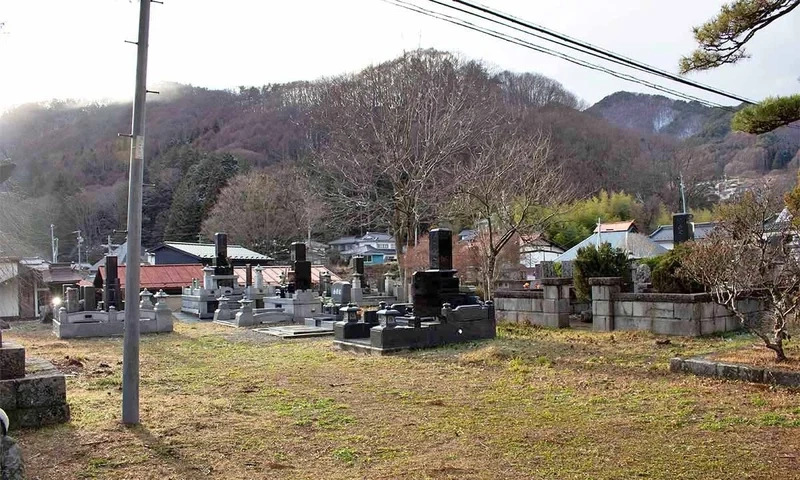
column 295, row 331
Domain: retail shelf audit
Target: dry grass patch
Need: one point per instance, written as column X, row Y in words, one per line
column 534, row 403
column 757, row 354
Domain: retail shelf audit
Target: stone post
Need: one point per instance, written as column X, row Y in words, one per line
column 258, row 281
column 112, row 313
column 208, row 281
column 555, row 304
column 604, row 289
column 63, row 317
column 163, row 312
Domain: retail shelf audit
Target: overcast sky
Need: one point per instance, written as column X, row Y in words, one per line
column 75, row 49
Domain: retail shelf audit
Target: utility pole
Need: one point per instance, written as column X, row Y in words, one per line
column 130, row 344
column 53, row 243
column 80, row 242
column 683, row 195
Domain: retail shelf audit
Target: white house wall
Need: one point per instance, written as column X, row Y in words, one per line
column 9, row 298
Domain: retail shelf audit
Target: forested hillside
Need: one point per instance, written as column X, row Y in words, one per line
column 72, row 165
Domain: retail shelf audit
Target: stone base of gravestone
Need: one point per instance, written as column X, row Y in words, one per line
column 36, row 399
column 12, row 361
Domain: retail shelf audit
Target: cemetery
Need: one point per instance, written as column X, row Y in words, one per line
column 82, row 315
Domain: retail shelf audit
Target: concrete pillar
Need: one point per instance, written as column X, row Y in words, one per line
column 555, row 304
column 604, row 290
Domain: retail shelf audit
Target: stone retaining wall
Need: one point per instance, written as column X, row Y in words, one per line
column 665, row 314
column 548, row 307
column 731, row 371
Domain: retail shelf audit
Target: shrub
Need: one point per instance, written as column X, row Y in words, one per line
column 602, row 261
column 666, row 276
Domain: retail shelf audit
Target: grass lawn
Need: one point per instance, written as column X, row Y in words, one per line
column 223, row 403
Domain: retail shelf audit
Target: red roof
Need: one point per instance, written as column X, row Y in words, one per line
column 162, row 276
column 627, row 226
column 175, row 276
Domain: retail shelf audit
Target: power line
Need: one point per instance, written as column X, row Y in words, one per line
column 607, row 53
column 523, row 43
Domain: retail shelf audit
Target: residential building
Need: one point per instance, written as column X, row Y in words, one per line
column 664, row 234
column 636, row 244
column 185, row 253
column 376, row 248
column 537, row 249
column 28, row 283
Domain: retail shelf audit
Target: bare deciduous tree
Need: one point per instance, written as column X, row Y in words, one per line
column 393, row 130
column 751, row 253
column 509, row 186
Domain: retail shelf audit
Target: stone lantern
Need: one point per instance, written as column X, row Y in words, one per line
column 349, row 313
column 387, row 318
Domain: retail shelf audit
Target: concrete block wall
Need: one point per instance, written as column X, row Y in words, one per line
column 660, row 313
column 548, row 307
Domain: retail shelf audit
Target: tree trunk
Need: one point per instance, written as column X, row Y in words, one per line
column 491, row 265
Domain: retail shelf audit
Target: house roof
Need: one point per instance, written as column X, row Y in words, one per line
column 368, row 237
column 272, row 274
column 467, row 234
column 343, row 241
column 636, row 244
column 627, row 226
column 368, row 250
column 664, row 232
column 161, row 276
column 378, row 236
column 207, row 251
column 61, row 273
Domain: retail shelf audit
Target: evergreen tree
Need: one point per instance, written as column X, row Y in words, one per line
column 197, row 193
column 721, row 41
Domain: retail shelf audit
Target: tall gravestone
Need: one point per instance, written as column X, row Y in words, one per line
column 441, row 249
column 302, row 267
column 112, row 293
column 439, row 285
column 682, row 228
column 222, row 266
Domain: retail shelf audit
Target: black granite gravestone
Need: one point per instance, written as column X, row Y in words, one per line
column 302, row 267
column 112, row 293
column 437, row 286
column 441, row 249
column 358, row 265
column 222, row 266
column 248, row 277
column 682, row 228
column 298, row 252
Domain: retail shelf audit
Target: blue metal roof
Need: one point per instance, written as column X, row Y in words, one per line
column 636, row 244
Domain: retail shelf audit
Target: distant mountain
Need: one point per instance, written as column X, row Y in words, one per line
column 655, row 114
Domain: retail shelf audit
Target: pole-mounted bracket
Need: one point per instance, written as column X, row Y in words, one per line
column 131, row 42
column 153, row 91
column 125, row 135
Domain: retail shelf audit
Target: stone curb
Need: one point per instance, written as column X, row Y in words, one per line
column 706, row 368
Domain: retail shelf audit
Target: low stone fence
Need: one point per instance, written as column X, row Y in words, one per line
column 548, row 307
column 666, row 314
